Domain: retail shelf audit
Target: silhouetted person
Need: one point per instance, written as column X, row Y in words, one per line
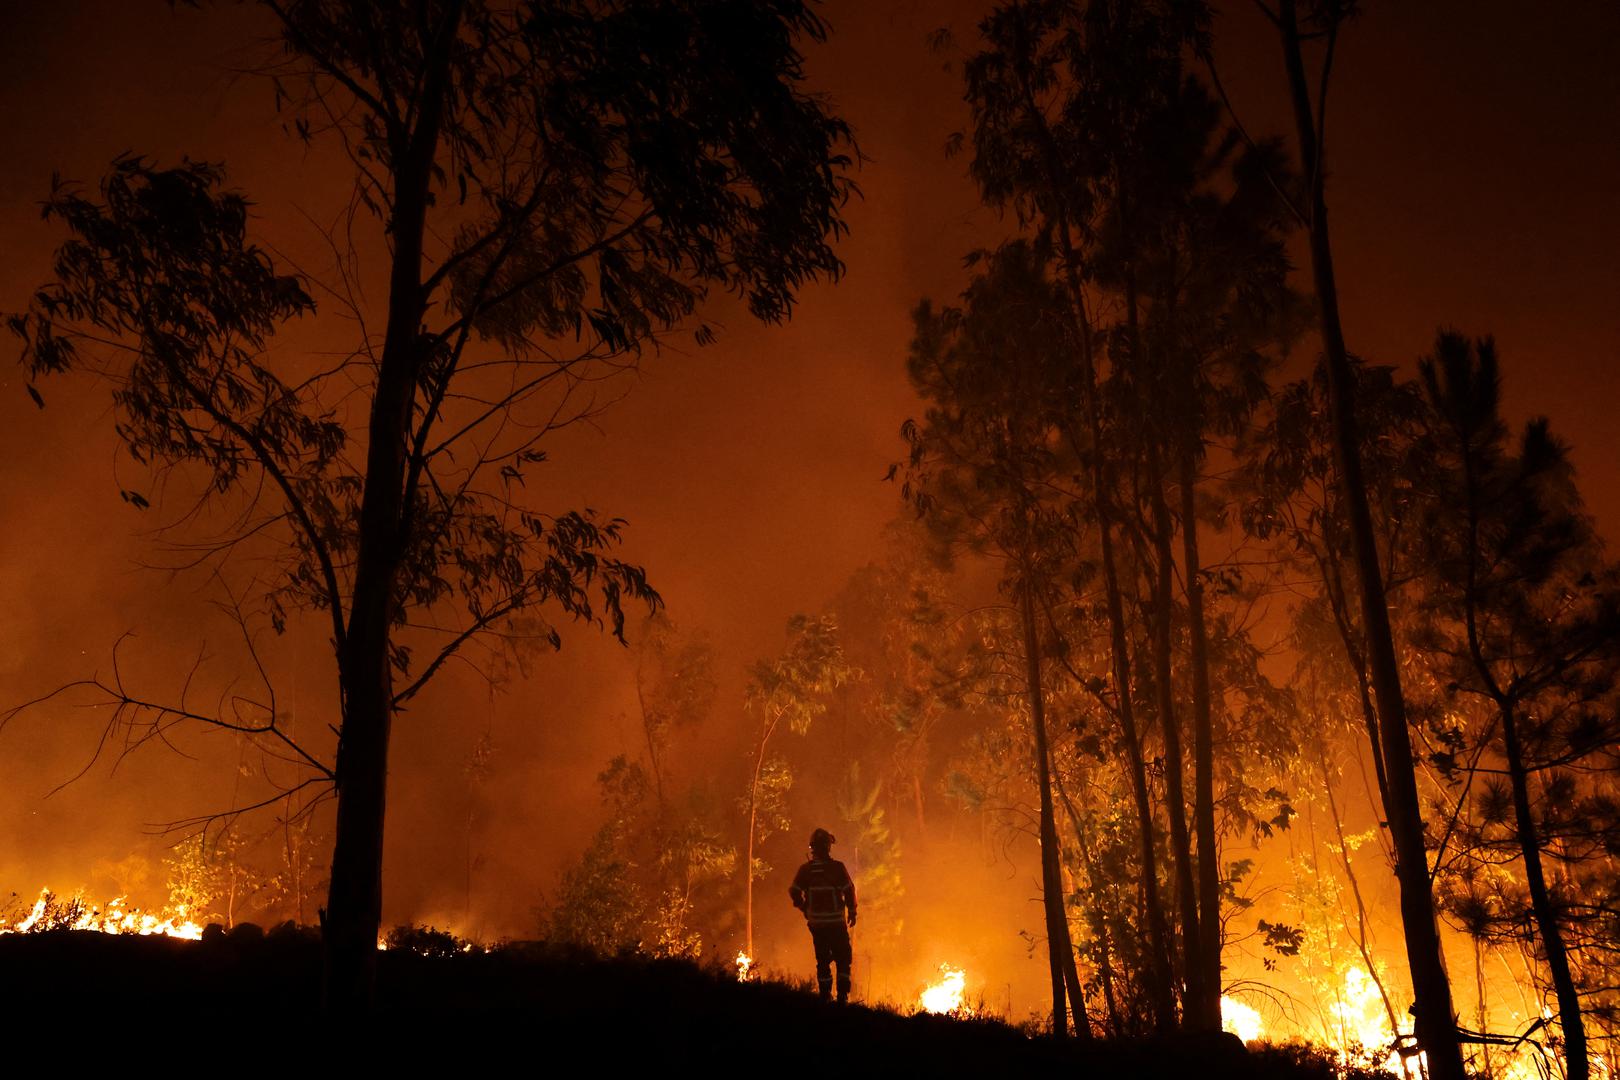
column 822, row 889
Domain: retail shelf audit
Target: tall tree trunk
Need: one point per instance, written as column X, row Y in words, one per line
column 1209, row 859
column 917, row 802
column 354, row 898
column 1576, row 1063
column 1105, row 969
column 1195, row 1005
column 1158, row 975
column 1059, row 948
column 748, row 864
column 1577, row 1066
column 1071, row 979
column 1435, row 1016
column 295, row 863
column 467, row 856
column 652, row 744
column 1333, row 583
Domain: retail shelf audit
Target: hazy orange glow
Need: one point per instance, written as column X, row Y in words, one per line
column 748, row 472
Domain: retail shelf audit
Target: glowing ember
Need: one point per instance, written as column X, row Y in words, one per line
column 745, row 964
column 52, row 913
column 945, row 997
column 1241, row 1020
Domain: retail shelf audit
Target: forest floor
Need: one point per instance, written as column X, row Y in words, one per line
column 556, row 1009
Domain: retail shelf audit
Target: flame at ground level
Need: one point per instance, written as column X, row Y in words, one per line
column 945, row 996
column 53, row 913
column 1241, row 1020
column 744, row 964
column 1354, row 1026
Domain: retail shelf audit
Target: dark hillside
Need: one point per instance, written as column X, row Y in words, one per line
column 558, row 1008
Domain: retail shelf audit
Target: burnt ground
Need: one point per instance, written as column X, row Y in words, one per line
column 539, row 1009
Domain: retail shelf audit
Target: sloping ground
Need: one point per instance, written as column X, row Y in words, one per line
column 546, row 1010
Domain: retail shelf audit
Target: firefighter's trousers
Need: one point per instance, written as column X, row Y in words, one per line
column 832, row 947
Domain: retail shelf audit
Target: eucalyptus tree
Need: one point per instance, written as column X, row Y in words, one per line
column 792, row 689
column 1169, row 243
column 900, row 623
column 1204, row 272
column 983, row 472
column 557, row 183
column 1060, row 92
column 675, row 688
column 675, row 694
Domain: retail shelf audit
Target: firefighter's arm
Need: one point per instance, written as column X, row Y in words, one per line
column 796, row 890
column 849, row 897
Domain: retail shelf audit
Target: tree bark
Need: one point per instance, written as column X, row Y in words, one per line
column 652, row 743
column 1332, row 580
column 1209, row 859
column 1195, row 1006
column 748, row 864
column 917, row 802
column 1202, row 745
column 1434, row 1015
column 1059, row 947
column 1105, row 970
column 354, row 899
column 1576, row 1063
column 1159, row 985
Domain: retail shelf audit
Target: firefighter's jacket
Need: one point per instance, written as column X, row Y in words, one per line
column 823, row 890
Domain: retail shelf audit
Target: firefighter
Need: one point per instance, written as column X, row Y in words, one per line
column 822, row 889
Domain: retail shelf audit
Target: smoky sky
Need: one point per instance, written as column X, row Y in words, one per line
column 1474, row 168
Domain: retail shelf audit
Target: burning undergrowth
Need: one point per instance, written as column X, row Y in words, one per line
column 945, row 996
column 427, row 941
column 49, row 912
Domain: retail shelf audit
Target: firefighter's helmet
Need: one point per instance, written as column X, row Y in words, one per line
column 822, row 841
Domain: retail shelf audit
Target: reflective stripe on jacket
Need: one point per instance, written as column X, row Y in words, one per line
column 822, row 889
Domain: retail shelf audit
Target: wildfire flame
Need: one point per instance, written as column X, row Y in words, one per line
column 945, row 996
column 1241, row 1020
column 745, row 964
column 1355, row 1027
column 116, row 918
column 1359, row 1020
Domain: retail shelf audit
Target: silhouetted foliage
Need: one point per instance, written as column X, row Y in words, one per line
column 1522, row 614
column 595, row 168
